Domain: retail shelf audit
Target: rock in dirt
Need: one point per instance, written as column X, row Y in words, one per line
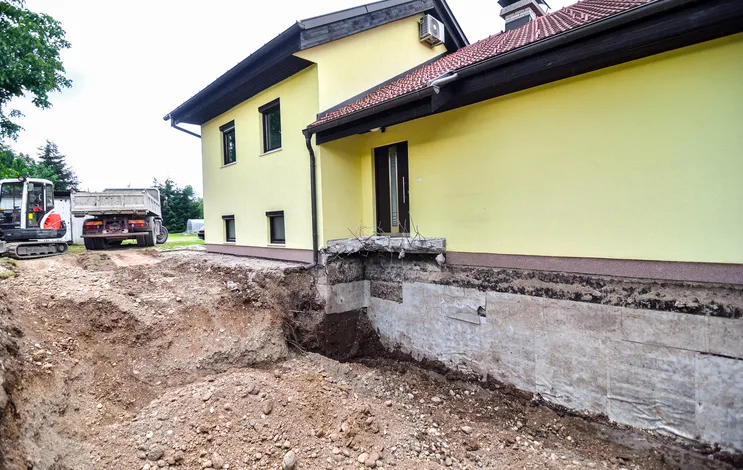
column 467, row 430
column 155, row 454
column 267, row 407
column 217, row 460
column 290, row 460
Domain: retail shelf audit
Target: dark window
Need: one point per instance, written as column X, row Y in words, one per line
column 229, row 150
column 229, row 227
column 276, row 227
column 271, row 125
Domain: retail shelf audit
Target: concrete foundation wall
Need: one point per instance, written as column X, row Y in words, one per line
column 675, row 372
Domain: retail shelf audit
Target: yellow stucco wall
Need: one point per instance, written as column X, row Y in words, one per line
column 259, row 183
column 640, row 161
column 351, row 65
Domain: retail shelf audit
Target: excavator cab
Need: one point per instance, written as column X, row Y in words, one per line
column 27, row 219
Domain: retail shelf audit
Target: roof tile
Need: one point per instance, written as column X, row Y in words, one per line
column 571, row 17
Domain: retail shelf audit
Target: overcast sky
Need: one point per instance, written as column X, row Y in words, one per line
column 132, row 62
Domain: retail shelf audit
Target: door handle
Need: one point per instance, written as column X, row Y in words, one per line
column 403, row 190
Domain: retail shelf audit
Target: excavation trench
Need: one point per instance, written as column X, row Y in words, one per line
column 187, row 360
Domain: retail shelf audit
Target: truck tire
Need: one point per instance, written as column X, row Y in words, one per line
column 100, row 243
column 89, row 243
column 162, row 237
column 147, row 240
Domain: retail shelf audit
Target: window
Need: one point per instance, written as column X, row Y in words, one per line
column 229, row 227
column 276, row 227
column 271, row 125
column 229, row 151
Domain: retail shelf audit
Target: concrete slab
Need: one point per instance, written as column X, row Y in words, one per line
column 650, row 387
column 571, row 370
column 671, row 329
column 347, row 296
column 726, row 336
column 581, row 318
column 719, row 412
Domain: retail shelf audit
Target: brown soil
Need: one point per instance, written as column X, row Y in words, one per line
column 134, row 359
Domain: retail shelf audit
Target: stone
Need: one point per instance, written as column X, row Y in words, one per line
column 155, row 454
column 371, row 461
column 345, row 427
column 217, row 460
column 436, row 399
column 267, row 407
column 161, row 463
column 388, row 403
column 467, row 430
column 206, row 396
column 290, row 460
column 141, row 455
column 207, row 464
column 146, row 467
column 363, row 457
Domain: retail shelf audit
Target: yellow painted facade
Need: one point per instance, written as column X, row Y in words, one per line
column 354, row 64
column 279, row 180
column 257, row 183
column 638, row 161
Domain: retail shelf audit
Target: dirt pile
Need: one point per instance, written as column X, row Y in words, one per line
column 139, row 360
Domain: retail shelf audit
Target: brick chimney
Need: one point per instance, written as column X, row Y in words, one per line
column 517, row 13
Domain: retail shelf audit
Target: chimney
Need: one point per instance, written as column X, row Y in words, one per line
column 517, row 13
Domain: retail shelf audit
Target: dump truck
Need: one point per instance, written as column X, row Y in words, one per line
column 115, row 215
column 29, row 225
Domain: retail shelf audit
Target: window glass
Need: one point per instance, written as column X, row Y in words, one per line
column 49, row 197
column 229, row 229
column 228, row 143
column 271, row 128
column 276, row 225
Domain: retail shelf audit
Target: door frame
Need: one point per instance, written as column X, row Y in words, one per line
column 384, row 208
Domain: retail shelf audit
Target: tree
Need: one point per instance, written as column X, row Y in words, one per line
column 178, row 205
column 13, row 165
column 49, row 156
column 30, row 44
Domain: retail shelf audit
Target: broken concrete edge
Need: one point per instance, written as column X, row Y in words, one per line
column 384, row 275
column 386, row 244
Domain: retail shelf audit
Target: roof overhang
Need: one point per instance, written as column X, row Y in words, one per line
column 275, row 61
column 641, row 32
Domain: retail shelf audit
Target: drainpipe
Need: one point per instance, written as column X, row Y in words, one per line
column 313, row 198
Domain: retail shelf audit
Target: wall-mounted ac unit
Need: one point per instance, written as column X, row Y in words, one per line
column 432, row 30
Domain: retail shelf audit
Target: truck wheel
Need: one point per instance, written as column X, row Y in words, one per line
column 100, row 243
column 162, row 237
column 89, row 243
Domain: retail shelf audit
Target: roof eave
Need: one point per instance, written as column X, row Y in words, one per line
column 731, row 11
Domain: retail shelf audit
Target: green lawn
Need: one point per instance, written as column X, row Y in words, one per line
column 176, row 240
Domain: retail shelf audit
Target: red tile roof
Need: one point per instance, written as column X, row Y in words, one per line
column 579, row 14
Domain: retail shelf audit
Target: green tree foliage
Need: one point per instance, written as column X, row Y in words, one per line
column 30, row 44
column 178, row 205
column 50, row 157
column 13, row 165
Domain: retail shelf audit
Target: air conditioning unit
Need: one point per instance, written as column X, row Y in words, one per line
column 432, row 30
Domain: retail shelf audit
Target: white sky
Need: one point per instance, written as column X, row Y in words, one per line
column 132, row 62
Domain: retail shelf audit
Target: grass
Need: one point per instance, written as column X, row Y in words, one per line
column 175, row 240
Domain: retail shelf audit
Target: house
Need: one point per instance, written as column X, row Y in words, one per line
column 581, row 172
column 252, row 118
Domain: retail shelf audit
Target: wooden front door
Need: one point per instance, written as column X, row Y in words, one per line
column 391, row 182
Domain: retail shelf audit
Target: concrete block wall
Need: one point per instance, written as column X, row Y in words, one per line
column 675, row 373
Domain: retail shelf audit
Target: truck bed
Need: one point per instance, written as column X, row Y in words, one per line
column 117, row 201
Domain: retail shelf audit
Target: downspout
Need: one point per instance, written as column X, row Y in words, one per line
column 313, row 198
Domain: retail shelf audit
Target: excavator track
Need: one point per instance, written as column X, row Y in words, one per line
column 33, row 250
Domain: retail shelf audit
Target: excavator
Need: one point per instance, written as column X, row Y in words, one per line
column 29, row 225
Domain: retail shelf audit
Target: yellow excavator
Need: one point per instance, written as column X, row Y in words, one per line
column 29, row 225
